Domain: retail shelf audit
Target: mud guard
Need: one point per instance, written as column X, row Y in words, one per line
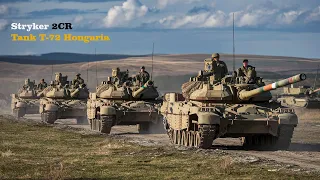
column 51, row 107
column 107, row 111
column 287, row 118
column 208, row 118
column 21, row 105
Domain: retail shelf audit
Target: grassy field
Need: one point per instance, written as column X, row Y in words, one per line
column 30, row 150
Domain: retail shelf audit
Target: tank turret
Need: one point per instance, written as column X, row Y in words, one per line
column 147, row 90
column 226, row 91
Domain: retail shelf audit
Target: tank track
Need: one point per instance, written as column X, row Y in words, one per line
column 269, row 142
column 199, row 139
column 103, row 125
column 19, row 112
column 143, row 128
column 48, row 117
column 82, row 120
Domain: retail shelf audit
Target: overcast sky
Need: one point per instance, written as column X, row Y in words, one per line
column 266, row 27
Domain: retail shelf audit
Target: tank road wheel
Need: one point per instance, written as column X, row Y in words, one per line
column 197, row 139
column 268, row 142
column 143, row 128
column 185, row 138
column 207, row 134
column 90, row 123
column 93, row 124
column 179, row 137
column 105, row 124
column 49, row 117
column 175, row 137
column 170, row 134
column 191, row 138
column 19, row 112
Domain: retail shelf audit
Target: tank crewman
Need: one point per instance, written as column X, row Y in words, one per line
column 247, row 71
column 42, row 85
column 78, row 80
column 26, row 84
column 57, row 79
column 220, row 68
column 66, row 90
column 143, row 76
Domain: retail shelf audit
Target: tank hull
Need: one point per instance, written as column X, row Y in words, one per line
column 141, row 113
column 204, row 122
column 54, row 109
column 21, row 107
column 300, row 102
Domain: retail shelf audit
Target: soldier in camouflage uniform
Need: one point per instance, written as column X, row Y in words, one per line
column 57, row 79
column 219, row 68
column 247, row 71
column 143, row 76
column 42, row 85
column 121, row 77
column 26, row 84
column 77, row 81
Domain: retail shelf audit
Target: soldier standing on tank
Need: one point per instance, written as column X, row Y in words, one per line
column 42, row 85
column 220, row 68
column 26, row 84
column 143, row 76
column 78, row 80
column 57, row 79
column 247, row 71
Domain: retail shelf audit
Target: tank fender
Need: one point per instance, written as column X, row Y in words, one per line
column 21, row 105
column 50, row 107
column 208, row 118
column 287, row 118
column 107, row 110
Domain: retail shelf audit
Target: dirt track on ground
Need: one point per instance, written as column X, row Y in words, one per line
column 304, row 151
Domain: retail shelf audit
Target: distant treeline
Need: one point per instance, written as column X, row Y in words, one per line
column 62, row 58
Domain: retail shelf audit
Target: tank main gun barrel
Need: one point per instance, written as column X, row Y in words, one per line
column 138, row 92
column 245, row 95
column 316, row 90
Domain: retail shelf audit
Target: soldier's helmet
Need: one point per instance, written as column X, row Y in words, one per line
column 143, row 67
column 215, row 55
column 78, row 74
column 58, row 77
column 115, row 72
column 245, row 60
column 26, row 81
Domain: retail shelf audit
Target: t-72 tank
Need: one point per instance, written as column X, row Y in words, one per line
column 121, row 101
column 300, row 97
column 62, row 100
column 208, row 109
column 26, row 100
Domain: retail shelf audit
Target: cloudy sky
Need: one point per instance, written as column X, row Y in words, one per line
column 266, row 27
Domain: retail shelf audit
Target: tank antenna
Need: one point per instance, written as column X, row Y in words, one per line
column 152, row 61
column 88, row 71
column 316, row 78
column 52, row 72
column 95, row 54
column 234, row 49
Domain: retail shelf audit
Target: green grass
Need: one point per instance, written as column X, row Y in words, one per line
column 36, row 151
